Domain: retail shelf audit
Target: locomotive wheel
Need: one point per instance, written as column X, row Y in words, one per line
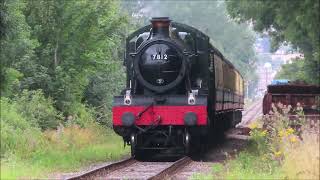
column 133, row 142
column 187, row 143
column 133, row 145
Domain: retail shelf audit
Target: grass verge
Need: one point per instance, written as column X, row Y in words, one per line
column 66, row 150
column 36, row 141
column 279, row 148
column 245, row 165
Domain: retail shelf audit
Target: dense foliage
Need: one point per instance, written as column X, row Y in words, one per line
column 294, row 71
column 60, row 67
column 293, row 22
column 63, row 48
column 29, row 152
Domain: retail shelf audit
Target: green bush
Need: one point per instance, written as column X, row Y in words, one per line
column 249, row 165
column 9, row 81
column 37, row 109
column 24, row 146
column 80, row 115
column 102, row 87
column 18, row 136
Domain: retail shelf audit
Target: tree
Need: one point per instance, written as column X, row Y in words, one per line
column 62, row 47
column 287, row 21
column 16, row 45
column 76, row 39
column 297, row 67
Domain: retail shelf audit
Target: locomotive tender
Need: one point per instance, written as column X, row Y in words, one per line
column 180, row 90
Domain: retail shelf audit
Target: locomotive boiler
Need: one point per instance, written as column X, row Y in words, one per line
column 180, row 92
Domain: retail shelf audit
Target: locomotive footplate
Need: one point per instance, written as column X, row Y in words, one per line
column 173, row 100
column 171, row 110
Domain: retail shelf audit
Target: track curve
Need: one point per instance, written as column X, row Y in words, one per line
column 251, row 113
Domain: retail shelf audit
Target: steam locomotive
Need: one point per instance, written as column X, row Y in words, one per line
column 180, row 91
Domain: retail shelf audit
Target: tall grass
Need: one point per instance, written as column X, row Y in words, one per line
column 18, row 136
column 292, row 143
column 66, row 149
column 302, row 161
column 33, row 146
column 279, row 148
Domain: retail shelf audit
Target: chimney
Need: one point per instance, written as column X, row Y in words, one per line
column 160, row 26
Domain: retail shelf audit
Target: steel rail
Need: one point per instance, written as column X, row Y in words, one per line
column 255, row 111
column 108, row 168
column 172, row 169
column 253, row 106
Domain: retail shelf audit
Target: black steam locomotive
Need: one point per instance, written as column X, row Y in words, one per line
column 180, row 90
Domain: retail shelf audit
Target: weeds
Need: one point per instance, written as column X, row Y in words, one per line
column 281, row 146
column 18, row 136
column 302, row 160
column 66, row 148
column 292, row 143
column 35, row 141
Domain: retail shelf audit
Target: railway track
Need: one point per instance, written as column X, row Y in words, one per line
column 252, row 107
column 241, row 132
column 250, row 114
column 133, row 169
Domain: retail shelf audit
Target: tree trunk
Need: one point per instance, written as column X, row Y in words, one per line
column 56, row 61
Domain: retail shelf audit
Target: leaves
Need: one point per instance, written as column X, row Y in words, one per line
column 296, row 22
column 58, row 46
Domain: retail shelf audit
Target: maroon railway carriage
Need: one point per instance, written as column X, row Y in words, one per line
column 306, row 96
column 180, row 90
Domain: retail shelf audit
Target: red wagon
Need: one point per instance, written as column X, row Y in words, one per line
column 303, row 95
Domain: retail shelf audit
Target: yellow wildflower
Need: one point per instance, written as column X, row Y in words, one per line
column 293, row 139
column 281, row 133
column 264, row 157
column 289, row 131
column 264, row 133
column 253, row 125
column 277, row 153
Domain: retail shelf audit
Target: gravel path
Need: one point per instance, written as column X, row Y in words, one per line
column 139, row 170
column 78, row 172
column 192, row 168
